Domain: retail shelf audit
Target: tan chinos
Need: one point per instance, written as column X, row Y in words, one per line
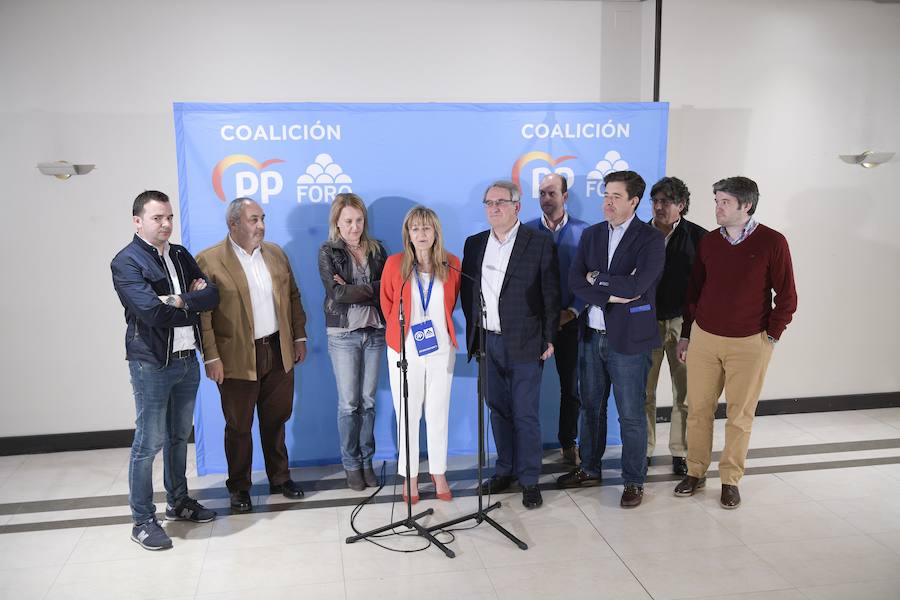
column 737, row 365
column 669, row 332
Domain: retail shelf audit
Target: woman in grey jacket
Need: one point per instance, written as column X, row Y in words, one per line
column 350, row 265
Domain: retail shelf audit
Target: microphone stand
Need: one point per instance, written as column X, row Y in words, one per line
column 481, row 514
column 410, row 522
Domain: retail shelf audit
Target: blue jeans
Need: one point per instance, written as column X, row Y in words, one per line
column 356, row 357
column 514, row 396
column 164, row 403
column 602, row 368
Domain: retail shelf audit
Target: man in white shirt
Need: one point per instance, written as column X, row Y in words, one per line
column 515, row 269
column 251, row 342
column 616, row 270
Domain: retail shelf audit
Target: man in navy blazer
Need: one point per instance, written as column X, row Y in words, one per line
column 616, row 270
column 566, row 231
column 515, row 269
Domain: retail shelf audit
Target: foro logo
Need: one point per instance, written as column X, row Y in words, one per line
column 538, row 172
column 612, row 161
column 323, row 180
column 248, row 183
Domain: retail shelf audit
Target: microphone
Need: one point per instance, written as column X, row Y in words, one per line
column 460, row 271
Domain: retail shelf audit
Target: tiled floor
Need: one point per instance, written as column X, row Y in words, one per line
column 820, row 520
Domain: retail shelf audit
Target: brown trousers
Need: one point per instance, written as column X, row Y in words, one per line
column 737, row 365
column 272, row 394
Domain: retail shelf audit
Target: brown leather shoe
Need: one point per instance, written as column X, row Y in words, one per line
column 731, row 497
column 689, row 485
column 632, row 496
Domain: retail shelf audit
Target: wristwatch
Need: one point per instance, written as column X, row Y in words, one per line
column 172, row 300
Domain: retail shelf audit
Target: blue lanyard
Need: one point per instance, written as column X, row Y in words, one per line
column 426, row 300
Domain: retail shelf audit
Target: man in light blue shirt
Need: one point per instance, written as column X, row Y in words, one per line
column 566, row 231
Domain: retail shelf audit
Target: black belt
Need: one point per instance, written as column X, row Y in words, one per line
column 269, row 339
column 597, row 331
column 182, row 354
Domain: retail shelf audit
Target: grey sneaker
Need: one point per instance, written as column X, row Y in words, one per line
column 355, row 480
column 150, row 536
column 188, row 509
column 369, row 476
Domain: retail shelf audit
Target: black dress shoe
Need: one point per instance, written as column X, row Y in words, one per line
column 731, row 497
column 497, row 484
column 531, row 496
column 689, row 485
column 288, row 489
column 577, row 478
column 632, row 496
column 570, row 455
column 679, row 465
column 240, row 501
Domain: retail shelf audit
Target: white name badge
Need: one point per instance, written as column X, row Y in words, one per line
column 424, row 337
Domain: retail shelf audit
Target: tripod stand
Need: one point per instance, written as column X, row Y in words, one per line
column 411, row 520
column 481, row 515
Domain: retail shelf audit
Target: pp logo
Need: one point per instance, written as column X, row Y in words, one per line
column 611, row 162
column 538, row 173
column 324, row 179
column 424, row 334
column 248, row 183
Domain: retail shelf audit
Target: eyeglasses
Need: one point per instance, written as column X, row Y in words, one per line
column 662, row 201
column 500, row 203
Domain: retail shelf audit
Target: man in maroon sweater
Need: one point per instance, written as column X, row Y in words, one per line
column 730, row 329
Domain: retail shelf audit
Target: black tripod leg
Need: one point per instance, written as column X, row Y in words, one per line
column 389, row 526
column 427, row 535
column 522, row 545
column 478, row 516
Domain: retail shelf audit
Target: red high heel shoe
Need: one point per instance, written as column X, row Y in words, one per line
column 446, row 496
column 415, row 497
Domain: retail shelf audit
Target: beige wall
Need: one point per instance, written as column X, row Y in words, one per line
column 774, row 90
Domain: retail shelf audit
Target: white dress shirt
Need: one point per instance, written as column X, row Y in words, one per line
column 493, row 271
column 265, row 321
column 596, row 320
column 184, row 336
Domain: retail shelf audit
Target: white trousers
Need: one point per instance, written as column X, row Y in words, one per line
column 429, row 379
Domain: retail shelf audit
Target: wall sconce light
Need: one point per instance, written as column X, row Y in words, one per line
column 63, row 170
column 867, row 159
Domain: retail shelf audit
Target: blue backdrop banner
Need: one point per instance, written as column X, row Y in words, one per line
column 293, row 159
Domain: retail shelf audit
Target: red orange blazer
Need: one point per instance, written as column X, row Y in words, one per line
column 392, row 281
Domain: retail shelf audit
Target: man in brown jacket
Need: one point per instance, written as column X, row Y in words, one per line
column 251, row 342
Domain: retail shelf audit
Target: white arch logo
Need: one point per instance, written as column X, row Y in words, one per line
column 322, row 181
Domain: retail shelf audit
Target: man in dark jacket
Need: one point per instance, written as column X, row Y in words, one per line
column 616, row 270
column 671, row 199
column 515, row 270
column 163, row 292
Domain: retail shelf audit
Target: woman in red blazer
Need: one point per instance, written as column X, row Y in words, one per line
column 429, row 296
